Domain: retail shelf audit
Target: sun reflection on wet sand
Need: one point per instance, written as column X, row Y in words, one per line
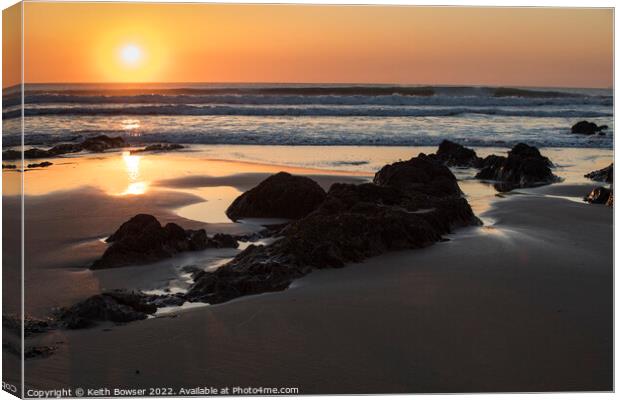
column 132, row 166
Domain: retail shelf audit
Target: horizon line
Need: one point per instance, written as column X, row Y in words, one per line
column 313, row 83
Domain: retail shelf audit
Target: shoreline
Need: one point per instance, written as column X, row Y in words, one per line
column 437, row 290
column 350, row 301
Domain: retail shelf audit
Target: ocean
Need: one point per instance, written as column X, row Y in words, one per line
column 304, row 114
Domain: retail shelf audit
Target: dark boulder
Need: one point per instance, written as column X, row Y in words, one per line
column 9, row 166
column 115, row 306
column 143, row 240
column 600, row 195
column 602, row 175
column 353, row 223
column 280, row 196
column 455, row 155
column 419, row 174
column 587, row 128
column 524, row 167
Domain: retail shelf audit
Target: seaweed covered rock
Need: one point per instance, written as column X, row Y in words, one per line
column 456, row 155
column 115, row 306
column 524, row 167
column 602, row 175
column 353, row 223
column 143, row 240
column 600, row 195
column 280, row 196
column 587, row 128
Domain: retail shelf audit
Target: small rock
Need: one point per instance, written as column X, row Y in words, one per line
column 587, row 128
column 599, row 195
column 43, row 164
column 602, row 175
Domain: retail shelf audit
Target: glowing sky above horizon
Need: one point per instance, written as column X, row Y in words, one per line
column 115, row 42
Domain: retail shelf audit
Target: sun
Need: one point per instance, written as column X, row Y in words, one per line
column 130, row 55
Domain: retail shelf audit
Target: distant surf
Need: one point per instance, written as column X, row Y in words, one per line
column 309, row 114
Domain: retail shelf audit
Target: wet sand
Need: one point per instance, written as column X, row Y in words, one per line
column 523, row 303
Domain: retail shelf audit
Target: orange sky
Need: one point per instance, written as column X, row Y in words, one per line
column 82, row 42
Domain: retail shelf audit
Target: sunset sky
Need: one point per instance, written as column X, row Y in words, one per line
column 107, row 42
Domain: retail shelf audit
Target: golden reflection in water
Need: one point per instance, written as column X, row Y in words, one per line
column 130, row 124
column 132, row 166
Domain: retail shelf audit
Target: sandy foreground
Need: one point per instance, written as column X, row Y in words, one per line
column 523, row 303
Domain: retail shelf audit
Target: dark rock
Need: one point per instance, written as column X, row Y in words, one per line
column 32, row 325
column 420, row 174
column 101, row 143
column 587, row 128
column 602, row 175
column 280, row 196
column 599, row 195
column 35, row 153
column 143, row 240
column 65, row 149
column 9, row 166
column 43, row 164
column 39, row 351
column 222, row 240
column 158, row 148
column 116, row 306
column 524, row 167
column 456, row 155
column 353, row 223
column 11, row 155
column 96, row 144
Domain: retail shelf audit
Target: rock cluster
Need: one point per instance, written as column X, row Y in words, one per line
column 280, row 196
column 96, row 144
column 524, row 167
column 411, row 204
column 143, row 240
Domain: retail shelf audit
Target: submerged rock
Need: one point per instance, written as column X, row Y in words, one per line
column 410, row 205
column 455, row 155
column 600, row 195
column 587, row 128
column 280, row 196
column 115, row 306
column 524, row 167
column 143, row 240
column 602, row 175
